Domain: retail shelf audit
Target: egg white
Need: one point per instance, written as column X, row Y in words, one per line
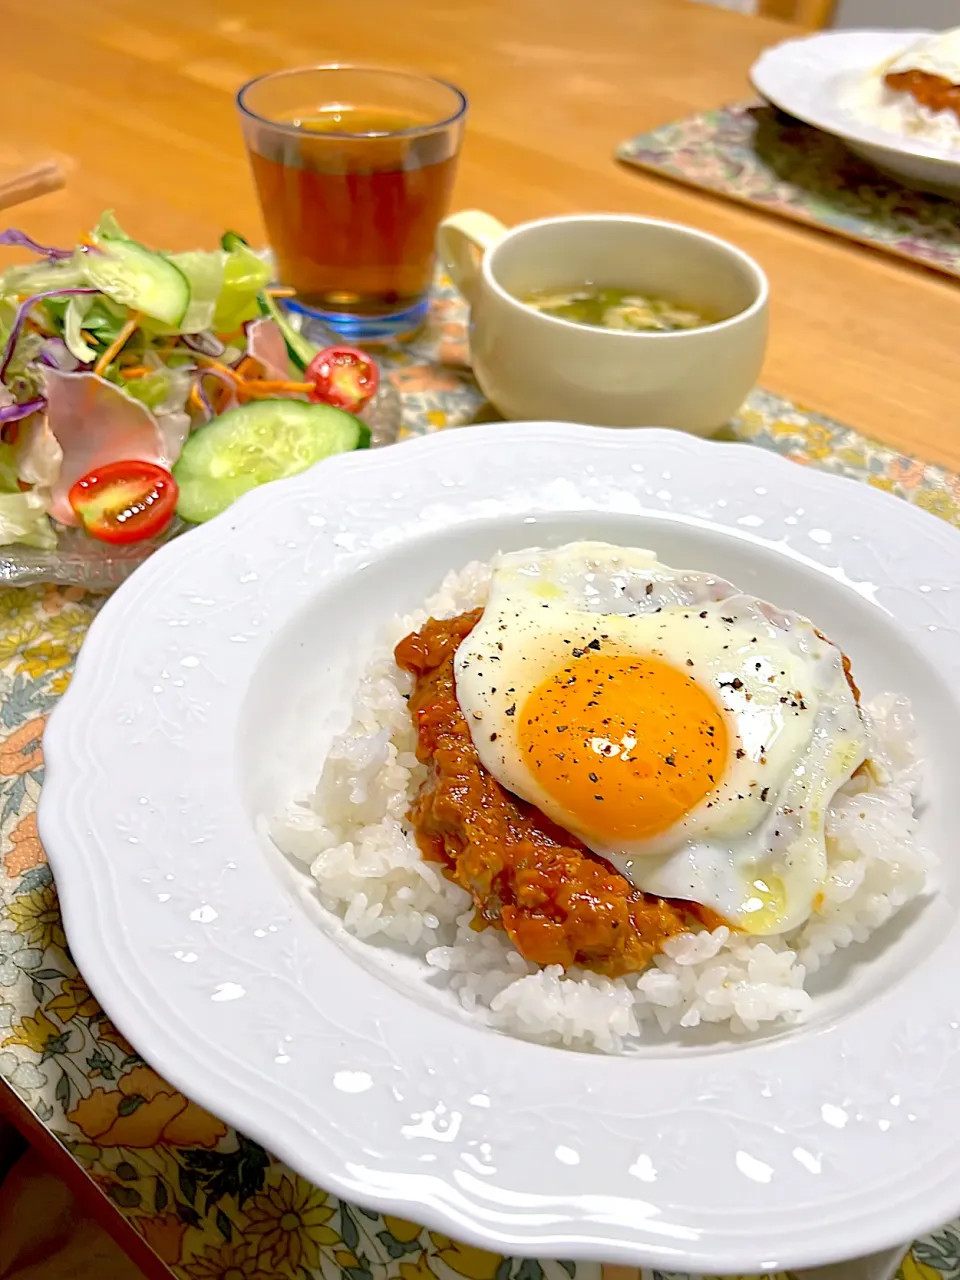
column 937, row 55
column 753, row 849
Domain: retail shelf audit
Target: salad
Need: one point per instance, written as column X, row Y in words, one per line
column 136, row 386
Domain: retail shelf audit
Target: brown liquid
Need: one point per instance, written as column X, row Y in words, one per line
column 352, row 221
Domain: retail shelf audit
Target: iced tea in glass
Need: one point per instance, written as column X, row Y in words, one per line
column 354, row 167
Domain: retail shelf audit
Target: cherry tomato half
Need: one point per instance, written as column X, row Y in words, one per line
column 343, row 377
column 126, row 501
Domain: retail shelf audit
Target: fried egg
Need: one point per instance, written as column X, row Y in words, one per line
column 690, row 735
column 937, row 54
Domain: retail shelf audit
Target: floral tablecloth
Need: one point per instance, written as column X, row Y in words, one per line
column 212, row 1204
column 758, row 156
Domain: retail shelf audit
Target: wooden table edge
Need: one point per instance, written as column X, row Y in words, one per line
column 88, row 1194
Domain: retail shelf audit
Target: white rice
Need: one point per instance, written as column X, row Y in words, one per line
column 900, row 113
column 368, row 869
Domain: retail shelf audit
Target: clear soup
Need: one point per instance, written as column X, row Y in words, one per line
column 603, row 308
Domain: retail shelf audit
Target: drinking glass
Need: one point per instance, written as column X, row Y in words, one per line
column 354, row 168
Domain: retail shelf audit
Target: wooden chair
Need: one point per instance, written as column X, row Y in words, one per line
column 805, row 13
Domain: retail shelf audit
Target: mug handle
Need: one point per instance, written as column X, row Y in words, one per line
column 462, row 240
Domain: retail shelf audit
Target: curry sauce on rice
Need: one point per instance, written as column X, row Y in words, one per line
column 597, row 795
column 917, row 93
column 557, row 902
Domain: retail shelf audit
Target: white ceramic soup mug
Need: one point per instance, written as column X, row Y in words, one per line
column 532, row 365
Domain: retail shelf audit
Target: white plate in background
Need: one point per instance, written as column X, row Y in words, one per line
column 819, row 78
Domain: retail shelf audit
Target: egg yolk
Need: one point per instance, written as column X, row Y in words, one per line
column 626, row 745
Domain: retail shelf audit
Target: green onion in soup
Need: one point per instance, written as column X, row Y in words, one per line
column 616, row 309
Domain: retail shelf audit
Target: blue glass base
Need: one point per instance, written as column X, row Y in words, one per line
column 320, row 326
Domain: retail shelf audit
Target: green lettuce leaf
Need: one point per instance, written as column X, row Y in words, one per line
column 38, row 277
column 8, row 469
column 108, row 228
column 74, row 315
column 244, row 275
column 24, row 519
column 205, row 275
column 152, row 389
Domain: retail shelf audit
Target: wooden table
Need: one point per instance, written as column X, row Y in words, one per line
column 142, row 107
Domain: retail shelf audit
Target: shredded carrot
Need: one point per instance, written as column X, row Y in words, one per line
column 270, row 390
column 117, row 345
column 210, row 363
column 137, row 371
column 246, row 388
column 280, row 292
column 254, row 385
column 268, row 387
column 247, row 367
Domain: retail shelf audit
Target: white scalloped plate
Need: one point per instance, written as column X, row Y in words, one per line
column 205, row 693
column 813, row 79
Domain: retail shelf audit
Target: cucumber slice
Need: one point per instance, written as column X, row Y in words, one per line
column 258, row 442
column 301, row 351
column 140, row 279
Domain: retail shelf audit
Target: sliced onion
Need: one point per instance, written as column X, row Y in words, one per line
column 58, row 355
column 204, row 400
column 207, row 343
column 14, row 412
column 20, row 240
column 21, row 318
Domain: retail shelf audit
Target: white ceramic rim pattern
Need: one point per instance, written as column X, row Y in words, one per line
column 386, row 1102
column 795, row 75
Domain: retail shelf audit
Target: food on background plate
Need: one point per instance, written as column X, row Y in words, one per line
column 137, row 385
column 917, row 93
column 603, row 308
column 601, row 795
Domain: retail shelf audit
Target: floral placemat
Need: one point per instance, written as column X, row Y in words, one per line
column 212, row 1204
column 759, row 156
